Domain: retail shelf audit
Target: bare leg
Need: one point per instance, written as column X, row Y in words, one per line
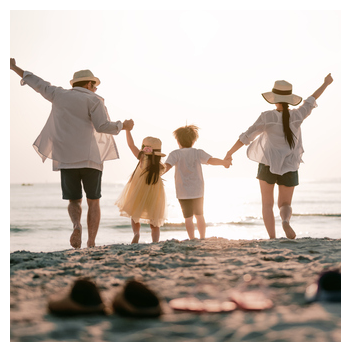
column 75, row 213
column 93, row 220
column 201, row 226
column 136, row 231
column 284, row 204
column 155, row 233
column 189, row 225
column 267, row 193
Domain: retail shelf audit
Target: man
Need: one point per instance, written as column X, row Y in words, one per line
column 77, row 137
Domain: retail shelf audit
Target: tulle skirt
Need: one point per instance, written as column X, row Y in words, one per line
column 142, row 202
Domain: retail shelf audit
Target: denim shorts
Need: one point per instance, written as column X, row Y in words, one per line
column 72, row 180
column 289, row 179
column 191, row 207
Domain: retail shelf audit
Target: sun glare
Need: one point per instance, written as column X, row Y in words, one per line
column 200, row 28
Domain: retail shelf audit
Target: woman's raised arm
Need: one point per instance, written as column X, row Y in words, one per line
column 327, row 80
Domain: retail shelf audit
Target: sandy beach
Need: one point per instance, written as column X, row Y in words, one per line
column 280, row 268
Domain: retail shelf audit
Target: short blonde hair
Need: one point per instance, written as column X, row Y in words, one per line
column 187, row 135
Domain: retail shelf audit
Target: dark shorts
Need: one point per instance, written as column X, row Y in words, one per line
column 289, row 179
column 191, row 207
column 72, row 180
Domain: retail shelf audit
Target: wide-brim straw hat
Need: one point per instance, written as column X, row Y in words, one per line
column 282, row 93
column 154, row 144
column 84, row 75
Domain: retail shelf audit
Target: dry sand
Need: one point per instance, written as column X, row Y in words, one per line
column 283, row 268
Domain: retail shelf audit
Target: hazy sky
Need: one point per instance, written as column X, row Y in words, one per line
column 168, row 68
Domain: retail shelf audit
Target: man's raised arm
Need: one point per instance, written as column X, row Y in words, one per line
column 15, row 68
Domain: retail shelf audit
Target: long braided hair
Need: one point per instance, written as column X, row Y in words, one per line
column 288, row 133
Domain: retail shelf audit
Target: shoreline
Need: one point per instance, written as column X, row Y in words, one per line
column 173, row 269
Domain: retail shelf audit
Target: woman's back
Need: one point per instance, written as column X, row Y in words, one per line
column 271, row 147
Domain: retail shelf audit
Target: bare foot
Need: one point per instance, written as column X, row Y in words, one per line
column 76, row 238
column 136, row 238
column 289, row 232
column 91, row 244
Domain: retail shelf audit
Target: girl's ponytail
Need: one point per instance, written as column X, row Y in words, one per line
column 289, row 135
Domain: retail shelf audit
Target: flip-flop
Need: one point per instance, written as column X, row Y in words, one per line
column 84, row 298
column 250, row 300
column 136, row 300
column 194, row 305
column 328, row 288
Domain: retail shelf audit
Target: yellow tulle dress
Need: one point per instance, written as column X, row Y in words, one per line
column 142, row 202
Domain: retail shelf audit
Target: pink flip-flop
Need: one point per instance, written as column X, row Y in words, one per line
column 250, row 300
column 192, row 304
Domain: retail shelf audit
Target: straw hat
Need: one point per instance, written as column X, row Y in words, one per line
column 282, row 93
column 151, row 146
column 84, row 75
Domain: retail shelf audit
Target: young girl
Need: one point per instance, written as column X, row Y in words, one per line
column 278, row 149
column 143, row 199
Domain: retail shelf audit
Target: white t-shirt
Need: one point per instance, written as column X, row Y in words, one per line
column 189, row 181
column 271, row 148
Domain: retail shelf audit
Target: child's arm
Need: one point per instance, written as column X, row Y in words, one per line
column 131, row 144
column 167, row 168
column 327, row 80
column 215, row 161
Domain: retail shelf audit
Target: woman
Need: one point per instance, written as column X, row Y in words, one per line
column 278, row 149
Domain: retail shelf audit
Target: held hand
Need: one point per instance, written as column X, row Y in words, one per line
column 228, row 157
column 227, row 163
column 128, row 125
column 328, row 80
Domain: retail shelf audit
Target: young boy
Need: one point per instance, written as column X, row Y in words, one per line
column 189, row 181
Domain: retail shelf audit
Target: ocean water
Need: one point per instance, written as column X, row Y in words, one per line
column 39, row 219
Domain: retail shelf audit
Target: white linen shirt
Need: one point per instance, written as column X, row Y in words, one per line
column 78, row 132
column 189, row 181
column 271, row 148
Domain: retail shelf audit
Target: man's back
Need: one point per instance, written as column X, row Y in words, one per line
column 78, row 128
